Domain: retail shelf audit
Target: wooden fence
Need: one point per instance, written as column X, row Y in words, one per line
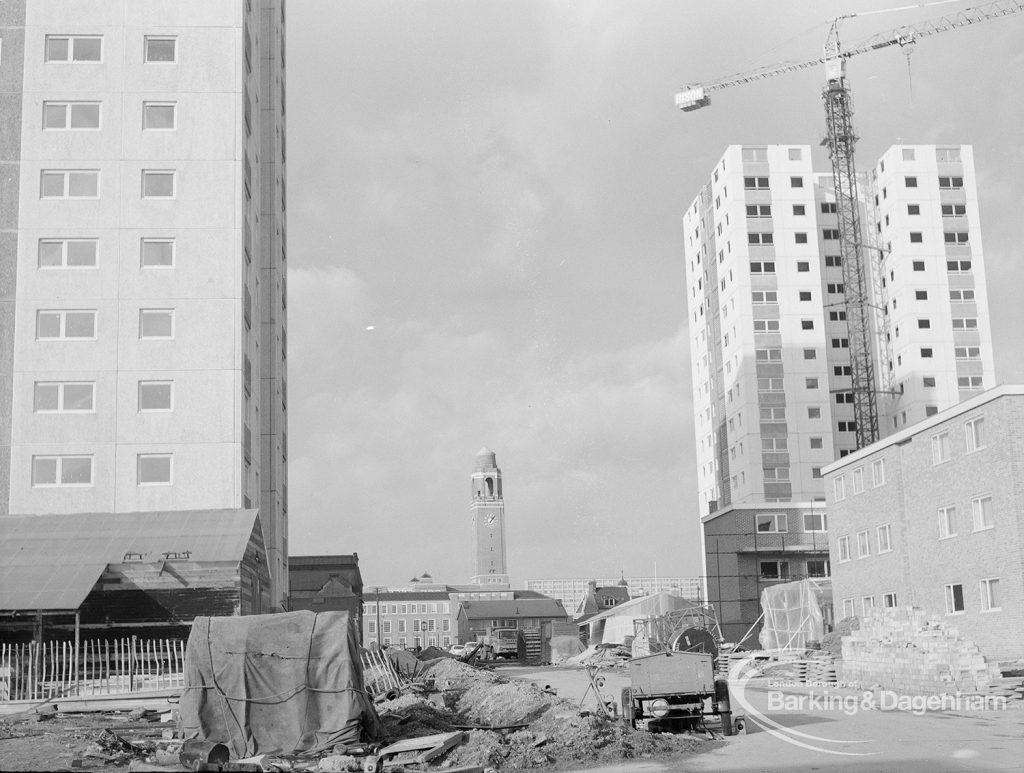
column 34, row 671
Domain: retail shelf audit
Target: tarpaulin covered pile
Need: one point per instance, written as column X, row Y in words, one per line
column 285, row 683
column 793, row 613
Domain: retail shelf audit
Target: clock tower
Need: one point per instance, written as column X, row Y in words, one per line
column 488, row 510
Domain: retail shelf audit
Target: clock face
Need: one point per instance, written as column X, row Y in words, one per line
column 491, row 520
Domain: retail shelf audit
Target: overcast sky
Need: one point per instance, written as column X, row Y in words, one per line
column 485, row 248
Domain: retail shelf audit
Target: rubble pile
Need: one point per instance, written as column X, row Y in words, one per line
column 602, row 655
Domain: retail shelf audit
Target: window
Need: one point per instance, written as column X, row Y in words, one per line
column 965, row 323
column 835, row 288
column 74, row 48
column 961, row 295
column 920, row 295
column 913, row 209
column 877, row 472
column 954, row 210
column 884, row 534
column 801, row 237
column 840, row 343
column 958, row 266
column 816, row 442
column 762, row 267
column 828, row 208
column 844, row 397
column 805, row 295
column 947, row 522
column 155, row 396
column 916, row 237
column 848, row 608
column 924, row 324
column 799, row 209
column 160, row 49
column 910, row 182
column 157, row 184
column 811, row 383
column 156, row 323
column 803, row 266
column 795, row 154
column 764, row 296
column 918, row 265
column 65, row 324
column 766, row 326
column 990, row 595
column 157, row 253
column 926, row 352
column 816, row 472
column 69, row 184
column 774, row 570
column 940, row 448
column 67, row 253
column 863, row 544
column 51, row 471
column 810, row 354
column 817, row 568
column 771, row 523
column 972, row 431
column 64, row 397
column 766, row 355
column 839, row 488
column 888, row 599
column 773, row 414
column 981, row 511
column 928, row 381
column 815, row 522
column 830, row 233
column 833, row 261
column 796, row 182
column 774, row 444
column 159, row 116
column 867, row 603
column 951, row 183
column 770, row 385
column 843, row 549
column 755, row 183
column 956, row 237
column 71, row 115
column 858, row 480
column 967, row 352
column 954, row 599
column 760, row 238
column 814, row 412
column 846, row 426
column 908, row 155
column 154, row 469
column 759, row 210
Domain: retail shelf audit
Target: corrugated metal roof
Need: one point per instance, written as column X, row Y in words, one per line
column 51, row 562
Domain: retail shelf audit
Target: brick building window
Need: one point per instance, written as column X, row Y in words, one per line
column 981, row 512
column 954, row 598
column 940, row 448
column 947, row 522
column 774, row 570
column 973, row 434
column 889, row 599
column 884, row 534
column 990, row 595
column 863, row 544
column 817, row 568
column 848, row 608
column 877, row 472
column 844, row 549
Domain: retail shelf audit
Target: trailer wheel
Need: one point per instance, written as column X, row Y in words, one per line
column 723, row 707
column 627, row 708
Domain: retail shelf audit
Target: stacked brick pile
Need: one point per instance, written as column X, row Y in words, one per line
column 906, row 650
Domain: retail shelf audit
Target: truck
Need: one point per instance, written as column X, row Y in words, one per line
column 674, row 691
column 504, row 642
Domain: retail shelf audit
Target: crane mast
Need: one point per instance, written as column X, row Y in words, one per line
column 857, row 301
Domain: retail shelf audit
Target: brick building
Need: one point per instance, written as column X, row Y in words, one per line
column 409, row 619
column 752, row 546
column 930, row 516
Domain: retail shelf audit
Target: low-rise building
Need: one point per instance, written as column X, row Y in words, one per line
column 409, row 619
column 600, row 598
column 748, row 547
column 571, row 591
column 525, row 611
column 931, row 517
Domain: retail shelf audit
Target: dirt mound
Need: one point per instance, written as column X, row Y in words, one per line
column 433, row 653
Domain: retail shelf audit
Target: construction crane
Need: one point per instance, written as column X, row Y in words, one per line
column 840, row 140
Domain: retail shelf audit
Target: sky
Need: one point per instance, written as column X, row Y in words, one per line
column 485, row 248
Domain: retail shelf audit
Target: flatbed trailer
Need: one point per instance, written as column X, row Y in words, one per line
column 674, row 691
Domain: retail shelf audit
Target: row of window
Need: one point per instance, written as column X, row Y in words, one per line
column 404, row 609
column 156, row 49
column 80, row 396
column 778, row 523
column 988, row 592
column 84, row 253
column 85, row 116
column 857, row 479
column 85, row 184
column 982, row 517
column 883, row 539
column 80, row 324
column 974, row 440
column 426, row 626
column 779, row 570
column 76, row 470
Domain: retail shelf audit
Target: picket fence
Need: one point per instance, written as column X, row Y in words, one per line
column 34, row 671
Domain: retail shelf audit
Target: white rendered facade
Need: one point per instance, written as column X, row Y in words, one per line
column 146, row 366
column 768, row 336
